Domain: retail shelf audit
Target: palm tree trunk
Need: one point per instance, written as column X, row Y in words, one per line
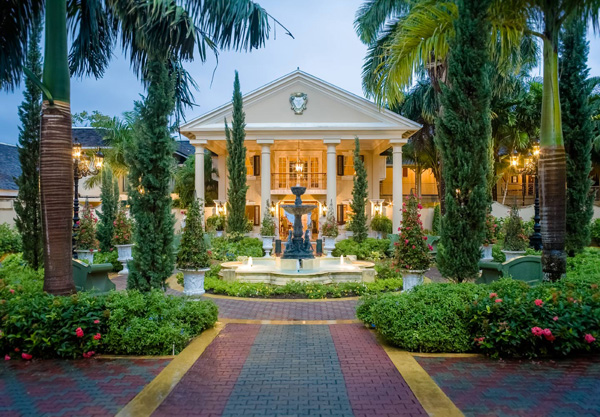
column 552, row 168
column 56, row 164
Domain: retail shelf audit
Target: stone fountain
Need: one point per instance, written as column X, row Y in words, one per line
column 298, row 245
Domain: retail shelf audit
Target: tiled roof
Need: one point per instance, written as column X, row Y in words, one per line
column 10, row 167
column 89, row 137
column 184, row 148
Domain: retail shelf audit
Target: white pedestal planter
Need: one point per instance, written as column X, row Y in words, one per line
column 411, row 278
column 85, row 255
column 267, row 245
column 349, row 234
column 486, row 253
column 512, row 254
column 328, row 245
column 124, row 252
column 379, row 235
column 193, row 281
column 219, row 233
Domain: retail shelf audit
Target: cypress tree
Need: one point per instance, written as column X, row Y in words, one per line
column 150, row 160
column 27, row 205
column 578, row 134
column 358, row 224
column 464, row 138
column 109, row 194
column 236, row 165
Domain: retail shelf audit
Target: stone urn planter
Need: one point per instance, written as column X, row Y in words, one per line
column 328, row 245
column 219, row 233
column 267, row 244
column 193, row 281
column 512, row 254
column 349, row 234
column 486, row 253
column 124, row 252
column 85, row 255
column 411, row 278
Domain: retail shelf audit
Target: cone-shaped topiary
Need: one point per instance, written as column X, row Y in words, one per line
column 86, row 233
column 267, row 227
column 330, row 227
column 109, row 194
column 515, row 238
column 192, row 251
column 358, row 222
column 412, row 250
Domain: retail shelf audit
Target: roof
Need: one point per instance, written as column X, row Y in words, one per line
column 184, row 148
column 10, row 167
column 89, row 137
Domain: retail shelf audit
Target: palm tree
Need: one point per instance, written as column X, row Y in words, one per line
column 144, row 29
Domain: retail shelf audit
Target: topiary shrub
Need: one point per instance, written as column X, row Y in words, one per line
column 515, row 238
column 192, row 254
column 595, row 231
column 10, row 239
column 436, row 224
column 412, row 250
column 381, row 223
column 267, row 228
column 370, row 248
column 430, row 318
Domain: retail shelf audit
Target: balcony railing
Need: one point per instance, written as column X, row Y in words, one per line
column 311, row 180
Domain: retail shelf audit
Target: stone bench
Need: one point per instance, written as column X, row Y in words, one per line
column 523, row 268
column 92, row 277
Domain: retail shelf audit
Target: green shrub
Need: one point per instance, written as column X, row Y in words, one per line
column 10, row 240
column 430, row 318
column 15, row 274
column 436, row 224
column 154, row 324
column 515, row 238
column 381, row 223
column 214, row 223
column 385, row 270
column 370, row 248
column 595, row 231
column 109, row 257
column 226, row 249
column 192, row 253
column 584, row 268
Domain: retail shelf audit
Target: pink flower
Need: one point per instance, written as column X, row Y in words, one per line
column 424, row 237
column 538, row 302
column 89, row 354
column 430, row 247
column 79, row 332
column 12, row 291
column 6, row 357
column 17, row 350
column 398, row 229
column 555, row 318
column 406, row 242
column 419, row 206
column 96, row 321
column 548, row 335
column 26, row 356
column 537, row 331
column 493, row 294
column 414, row 246
column 97, row 336
column 498, row 300
column 589, row 338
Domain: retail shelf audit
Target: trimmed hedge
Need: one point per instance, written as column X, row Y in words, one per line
column 370, row 248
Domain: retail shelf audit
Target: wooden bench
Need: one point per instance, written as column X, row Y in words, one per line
column 524, row 268
column 92, row 277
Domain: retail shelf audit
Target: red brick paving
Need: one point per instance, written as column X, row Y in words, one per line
column 206, row 387
column 375, row 387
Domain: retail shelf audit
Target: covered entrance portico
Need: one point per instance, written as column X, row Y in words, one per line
column 301, row 130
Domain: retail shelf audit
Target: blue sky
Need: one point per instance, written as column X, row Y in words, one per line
column 325, row 45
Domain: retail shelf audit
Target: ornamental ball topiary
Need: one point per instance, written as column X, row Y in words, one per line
column 192, row 250
column 412, row 250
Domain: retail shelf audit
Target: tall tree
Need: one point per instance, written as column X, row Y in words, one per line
column 150, row 162
column 236, row 165
column 578, row 132
column 358, row 223
column 95, row 25
column 27, row 205
column 464, row 140
column 185, row 181
column 109, row 195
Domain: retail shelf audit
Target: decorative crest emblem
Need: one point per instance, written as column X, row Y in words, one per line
column 298, row 102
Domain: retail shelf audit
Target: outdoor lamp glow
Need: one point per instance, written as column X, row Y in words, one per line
column 76, row 151
column 99, row 159
column 514, row 160
column 536, row 150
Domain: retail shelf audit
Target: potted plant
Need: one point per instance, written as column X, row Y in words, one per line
column 267, row 232
column 515, row 240
column 412, row 250
column 192, row 257
column 382, row 225
column 122, row 239
column 491, row 231
column 216, row 224
column 329, row 231
column 85, row 238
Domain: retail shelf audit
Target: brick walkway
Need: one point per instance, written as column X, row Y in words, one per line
column 95, row 387
column 485, row 387
column 293, row 370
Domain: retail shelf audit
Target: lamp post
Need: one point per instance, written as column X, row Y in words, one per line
column 82, row 167
column 535, row 240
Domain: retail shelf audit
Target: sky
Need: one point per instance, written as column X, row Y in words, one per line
column 325, row 46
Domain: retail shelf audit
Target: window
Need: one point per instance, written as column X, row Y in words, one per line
column 404, row 172
column 256, row 159
column 253, row 213
column 340, row 165
column 340, row 213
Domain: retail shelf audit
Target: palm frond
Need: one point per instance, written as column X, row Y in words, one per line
column 373, row 15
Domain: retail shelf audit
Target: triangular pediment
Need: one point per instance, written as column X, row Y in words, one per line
column 327, row 108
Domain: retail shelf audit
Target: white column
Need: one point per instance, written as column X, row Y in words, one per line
column 199, row 171
column 331, row 173
column 222, row 171
column 397, row 184
column 265, row 175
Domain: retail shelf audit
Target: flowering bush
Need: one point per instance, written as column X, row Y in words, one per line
column 515, row 238
column 412, row 249
column 267, row 228
column 86, row 232
column 123, row 226
column 491, row 230
column 330, row 227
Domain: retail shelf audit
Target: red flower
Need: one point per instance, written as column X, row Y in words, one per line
column 89, row 354
column 96, row 321
column 12, row 291
column 79, row 332
column 7, row 357
column 97, row 336
column 493, row 294
column 498, row 300
column 17, row 350
column 26, row 356
column 538, row 302
column 555, row 318
column 589, row 338
column 414, row 247
column 548, row 334
column 424, row 237
column 430, row 247
column 537, row 331
column 419, row 206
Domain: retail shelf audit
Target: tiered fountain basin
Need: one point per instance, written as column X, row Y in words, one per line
column 280, row 271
